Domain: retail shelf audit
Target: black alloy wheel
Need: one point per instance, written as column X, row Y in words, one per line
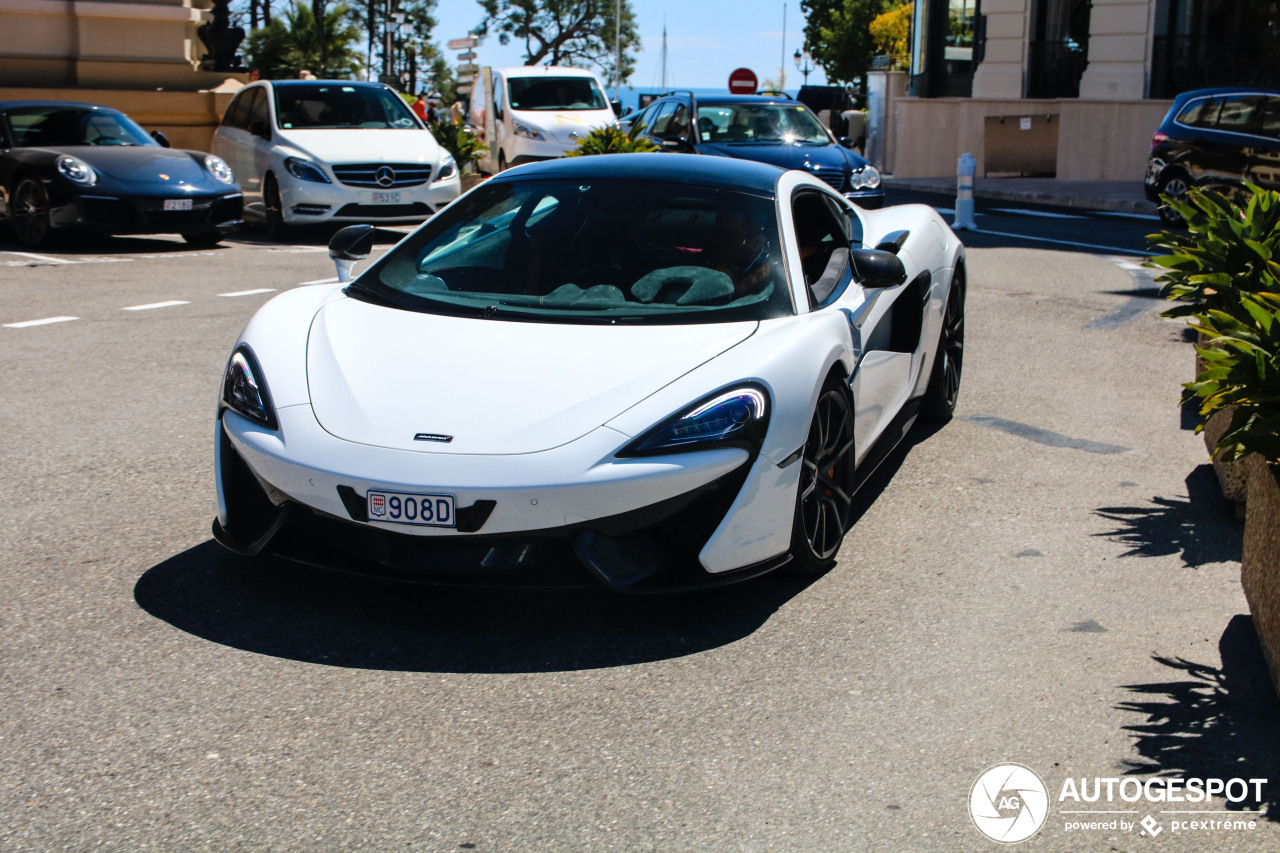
column 274, row 207
column 1175, row 186
column 943, row 393
column 824, row 505
column 30, row 213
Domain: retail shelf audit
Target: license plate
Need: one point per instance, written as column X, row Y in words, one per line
column 386, row 198
column 177, row 204
column 404, row 508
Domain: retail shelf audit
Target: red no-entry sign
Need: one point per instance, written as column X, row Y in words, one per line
column 743, row 82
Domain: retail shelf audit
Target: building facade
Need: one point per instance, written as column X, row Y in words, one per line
column 1072, row 88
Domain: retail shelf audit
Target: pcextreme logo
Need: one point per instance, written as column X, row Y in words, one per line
column 1009, row 803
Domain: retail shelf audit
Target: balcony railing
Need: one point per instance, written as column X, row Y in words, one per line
column 1054, row 68
column 1180, row 63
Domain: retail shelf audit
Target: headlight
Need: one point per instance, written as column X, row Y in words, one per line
column 737, row 415
column 866, row 178
column 448, row 168
column 526, row 131
column 219, row 169
column 305, row 170
column 245, row 391
column 77, row 171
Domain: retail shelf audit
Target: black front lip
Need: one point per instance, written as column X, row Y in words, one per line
column 129, row 214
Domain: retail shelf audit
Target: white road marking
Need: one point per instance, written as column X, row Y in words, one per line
column 321, row 281
column 1142, row 253
column 46, row 321
column 1042, row 213
column 250, row 292
column 1146, row 217
column 44, row 259
column 169, row 304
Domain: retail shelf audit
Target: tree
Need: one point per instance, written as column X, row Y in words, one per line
column 837, row 34
column 293, row 42
column 420, row 20
column 566, row 32
column 891, row 31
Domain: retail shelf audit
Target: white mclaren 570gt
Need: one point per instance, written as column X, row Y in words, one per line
column 653, row 372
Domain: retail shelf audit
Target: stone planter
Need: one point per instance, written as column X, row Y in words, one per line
column 1260, row 562
column 1232, row 475
column 470, row 179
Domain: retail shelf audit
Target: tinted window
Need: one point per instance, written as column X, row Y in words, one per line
column 1203, row 113
column 662, row 118
column 336, row 106
column 238, row 113
column 679, row 124
column 257, row 121
column 1237, row 114
column 589, row 251
column 556, row 93
column 1270, row 124
column 821, row 230
column 640, row 124
column 56, row 125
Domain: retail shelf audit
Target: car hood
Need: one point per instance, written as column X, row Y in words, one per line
column 147, row 169
column 371, row 145
column 380, row 376
column 789, row 156
column 565, row 127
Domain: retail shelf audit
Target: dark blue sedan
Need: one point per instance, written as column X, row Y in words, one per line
column 768, row 129
column 64, row 164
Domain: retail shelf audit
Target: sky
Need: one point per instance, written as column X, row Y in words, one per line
column 706, row 41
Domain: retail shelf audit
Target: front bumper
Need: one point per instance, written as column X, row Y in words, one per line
column 146, row 214
column 871, row 199
column 632, row 525
column 311, row 202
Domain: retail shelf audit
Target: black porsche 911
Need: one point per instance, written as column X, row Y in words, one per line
column 67, row 164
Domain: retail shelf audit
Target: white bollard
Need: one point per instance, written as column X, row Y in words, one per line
column 966, row 168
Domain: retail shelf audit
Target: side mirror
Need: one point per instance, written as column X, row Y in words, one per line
column 846, row 141
column 349, row 245
column 876, row 268
column 674, row 143
column 161, row 138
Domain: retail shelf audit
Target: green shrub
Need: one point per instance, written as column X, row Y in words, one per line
column 610, row 140
column 458, row 141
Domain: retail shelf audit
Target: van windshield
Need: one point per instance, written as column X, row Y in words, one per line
column 556, row 93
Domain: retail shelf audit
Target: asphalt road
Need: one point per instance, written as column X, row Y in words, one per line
column 1050, row 579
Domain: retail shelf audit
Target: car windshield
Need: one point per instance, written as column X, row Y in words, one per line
column 591, row 251
column 57, row 125
column 333, row 105
column 556, row 93
column 754, row 123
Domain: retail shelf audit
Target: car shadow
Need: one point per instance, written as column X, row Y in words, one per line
column 1212, row 723
column 1201, row 527
column 284, row 610
column 71, row 242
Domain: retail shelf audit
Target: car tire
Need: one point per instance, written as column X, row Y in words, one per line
column 943, row 391
column 203, row 238
column 824, row 505
column 273, row 208
column 29, row 213
column 502, row 162
column 1175, row 185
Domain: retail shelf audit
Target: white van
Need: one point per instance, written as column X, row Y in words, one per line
column 535, row 112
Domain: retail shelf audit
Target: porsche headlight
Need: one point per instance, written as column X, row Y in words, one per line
column 447, row 169
column 219, row 169
column 866, row 178
column 526, row 131
column 731, row 416
column 305, row 170
column 245, row 391
column 76, row 171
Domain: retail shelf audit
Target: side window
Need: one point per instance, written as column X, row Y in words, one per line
column 1208, row 115
column 238, row 114
column 679, row 124
column 662, row 119
column 1237, row 114
column 4, row 132
column 823, row 234
column 259, row 123
column 498, row 100
column 1270, row 124
column 640, row 124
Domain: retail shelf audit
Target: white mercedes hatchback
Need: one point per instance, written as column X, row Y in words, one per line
column 314, row 151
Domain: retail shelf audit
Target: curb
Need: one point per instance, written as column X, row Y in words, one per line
column 1055, row 199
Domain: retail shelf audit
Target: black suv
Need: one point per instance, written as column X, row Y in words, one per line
column 1215, row 137
column 767, row 128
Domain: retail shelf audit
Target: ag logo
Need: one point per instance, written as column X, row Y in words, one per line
column 1008, row 803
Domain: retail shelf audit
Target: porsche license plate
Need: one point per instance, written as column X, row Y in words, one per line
column 403, row 508
column 386, row 198
column 177, row 204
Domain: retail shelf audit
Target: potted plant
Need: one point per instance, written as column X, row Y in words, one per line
column 610, row 140
column 1229, row 248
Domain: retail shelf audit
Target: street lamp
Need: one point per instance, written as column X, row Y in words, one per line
column 804, row 64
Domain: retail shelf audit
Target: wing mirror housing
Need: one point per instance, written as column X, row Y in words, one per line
column 874, row 268
column 675, row 143
column 349, row 245
column 161, row 138
column 846, row 141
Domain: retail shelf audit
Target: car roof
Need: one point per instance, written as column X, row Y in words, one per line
column 360, row 84
column 82, row 105
column 725, row 100
column 746, row 175
column 1225, row 90
column 544, row 71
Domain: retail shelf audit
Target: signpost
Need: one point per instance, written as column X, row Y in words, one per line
column 462, row 44
column 743, row 82
column 469, row 56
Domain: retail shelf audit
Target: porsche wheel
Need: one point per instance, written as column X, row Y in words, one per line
column 274, row 208
column 30, row 214
column 940, row 397
column 824, row 506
